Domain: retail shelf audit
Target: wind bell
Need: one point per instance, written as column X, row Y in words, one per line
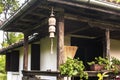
column 52, row 29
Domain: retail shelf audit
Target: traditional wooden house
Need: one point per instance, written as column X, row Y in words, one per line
column 91, row 25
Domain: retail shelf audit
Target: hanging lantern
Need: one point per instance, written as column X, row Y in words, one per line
column 52, row 29
column 52, row 20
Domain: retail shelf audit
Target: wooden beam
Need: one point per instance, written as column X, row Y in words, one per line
column 37, row 27
column 48, row 7
column 93, row 22
column 25, row 62
column 56, row 73
column 103, row 26
column 21, row 24
column 29, row 20
column 37, row 14
column 78, row 30
column 60, row 42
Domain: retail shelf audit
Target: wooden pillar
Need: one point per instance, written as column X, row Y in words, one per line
column 25, row 62
column 60, row 40
column 107, row 34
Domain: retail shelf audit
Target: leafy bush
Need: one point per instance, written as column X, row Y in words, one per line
column 73, row 67
column 115, row 61
column 115, row 64
column 101, row 61
column 3, row 77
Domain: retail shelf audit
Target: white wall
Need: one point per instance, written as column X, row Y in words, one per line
column 115, row 48
column 29, row 57
column 18, row 75
column 47, row 60
column 21, row 62
column 13, row 76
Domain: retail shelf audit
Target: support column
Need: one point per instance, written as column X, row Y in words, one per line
column 107, row 37
column 25, row 59
column 60, row 42
column 107, row 34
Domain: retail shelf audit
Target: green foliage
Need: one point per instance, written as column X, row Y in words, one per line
column 9, row 4
column 3, row 76
column 101, row 61
column 115, row 61
column 73, row 67
column 8, row 7
column 115, row 66
column 1, row 7
column 117, row 1
column 2, row 64
column 12, row 38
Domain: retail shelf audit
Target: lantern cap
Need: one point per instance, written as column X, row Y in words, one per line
column 52, row 20
column 52, row 13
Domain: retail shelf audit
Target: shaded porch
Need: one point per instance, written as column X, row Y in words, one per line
column 81, row 22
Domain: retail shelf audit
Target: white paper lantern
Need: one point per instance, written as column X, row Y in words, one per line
column 52, row 21
column 52, row 29
column 52, row 35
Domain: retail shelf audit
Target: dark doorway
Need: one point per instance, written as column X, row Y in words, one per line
column 88, row 49
column 35, row 57
column 12, row 61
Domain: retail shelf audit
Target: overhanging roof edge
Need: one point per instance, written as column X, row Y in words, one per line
column 17, row 13
column 97, row 5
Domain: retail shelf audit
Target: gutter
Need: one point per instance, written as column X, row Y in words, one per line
column 21, row 10
column 105, row 4
column 92, row 4
column 100, row 3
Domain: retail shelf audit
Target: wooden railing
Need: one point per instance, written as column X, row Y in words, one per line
column 56, row 73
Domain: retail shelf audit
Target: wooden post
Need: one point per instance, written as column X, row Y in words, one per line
column 60, row 41
column 107, row 34
column 25, row 62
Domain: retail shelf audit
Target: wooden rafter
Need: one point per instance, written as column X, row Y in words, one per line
column 35, row 28
column 28, row 20
column 94, row 22
column 37, row 14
